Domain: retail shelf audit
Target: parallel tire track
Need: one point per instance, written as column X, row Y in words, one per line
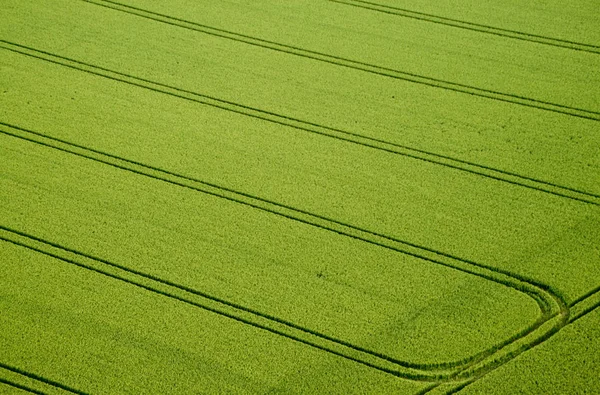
column 20, row 387
column 544, row 305
column 459, row 387
column 585, row 311
column 353, row 64
column 206, row 302
column 211, row 304
column 181, row 293
column 585, row 304
column 539, row 39
column 579, row 308
column 428, row 389
column 585, row 296
column 322, row 130
column 40, row 379
column 551, row 304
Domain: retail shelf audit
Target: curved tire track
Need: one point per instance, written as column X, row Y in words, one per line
column 477, row 27
column 579, row 308
column 550, row 303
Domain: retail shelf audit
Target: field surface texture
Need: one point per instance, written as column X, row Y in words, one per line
column 303, row 196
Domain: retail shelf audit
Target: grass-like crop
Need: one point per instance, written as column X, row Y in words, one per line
column 297, row 270
column 565, row 364
column 307, row 196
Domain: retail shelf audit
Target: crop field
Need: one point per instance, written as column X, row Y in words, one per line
column 299, row 196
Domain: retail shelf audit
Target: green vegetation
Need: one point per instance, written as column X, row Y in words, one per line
column 505, row 136
column 302, row 196
column 566, row 364
column 312, row 277
column 99, row 335
column 575, row 23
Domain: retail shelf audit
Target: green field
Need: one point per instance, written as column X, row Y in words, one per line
column 303, row 196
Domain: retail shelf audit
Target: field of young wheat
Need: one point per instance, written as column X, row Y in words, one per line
column 303, row 196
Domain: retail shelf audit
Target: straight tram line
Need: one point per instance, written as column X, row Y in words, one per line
column 20, row 387
column 477, row 27
column 43, row 381
column 206, row 302
column 353, row 64
column 30, row 375
column 550, row 303
column 172, row 290
column 338, row 134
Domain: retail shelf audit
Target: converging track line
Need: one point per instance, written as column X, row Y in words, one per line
column 338, row 134
column 551, row 304
column 353, row 64
column 421, row 16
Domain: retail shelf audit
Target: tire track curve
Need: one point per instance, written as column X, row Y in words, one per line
column 579, row 308
column 353, row 64
column 476, row 27
column 549, row 301
column 310, row 127
column 186, row 295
